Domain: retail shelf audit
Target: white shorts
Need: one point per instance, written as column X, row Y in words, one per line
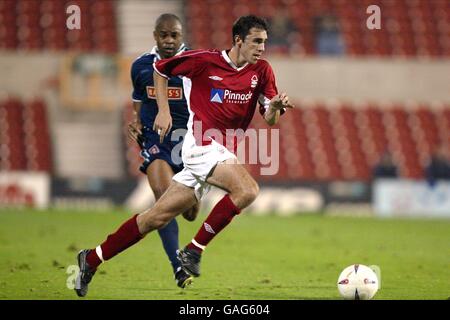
column 199, row 161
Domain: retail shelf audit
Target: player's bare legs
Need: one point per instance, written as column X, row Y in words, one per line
column 234, row 178
column 242, row 191
column 177, row 198
column 159, row 174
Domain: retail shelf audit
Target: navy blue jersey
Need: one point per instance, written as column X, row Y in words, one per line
column 144, row 92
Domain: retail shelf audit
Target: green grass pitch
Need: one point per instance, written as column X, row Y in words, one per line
column 256, row 257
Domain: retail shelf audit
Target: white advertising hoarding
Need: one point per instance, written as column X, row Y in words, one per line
column 30, row 189
column 392, row 197
column 281, row 201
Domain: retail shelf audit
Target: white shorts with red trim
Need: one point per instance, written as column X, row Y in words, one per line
column 199, row 162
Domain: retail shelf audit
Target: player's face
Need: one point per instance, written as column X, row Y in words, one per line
column 253, row 46
column 168, row 37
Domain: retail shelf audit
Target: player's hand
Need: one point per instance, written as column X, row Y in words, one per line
column 162, row 124
column 280, row 101
column 135, row 130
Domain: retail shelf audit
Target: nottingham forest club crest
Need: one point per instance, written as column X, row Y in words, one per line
column 254, row 81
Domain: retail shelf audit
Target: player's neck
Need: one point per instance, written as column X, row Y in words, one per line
column 236, row 58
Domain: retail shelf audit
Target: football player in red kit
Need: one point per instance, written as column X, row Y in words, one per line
column 222, row 90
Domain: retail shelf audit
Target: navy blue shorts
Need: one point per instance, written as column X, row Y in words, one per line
column 169, row 151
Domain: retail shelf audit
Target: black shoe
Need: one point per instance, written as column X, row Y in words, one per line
column 183, row 278
column 190, row 261
column 85, row 275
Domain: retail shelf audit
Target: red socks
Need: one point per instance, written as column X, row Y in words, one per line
column 219, row 218
column 127, row 235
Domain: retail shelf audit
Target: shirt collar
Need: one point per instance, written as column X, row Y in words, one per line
column 231, row 63
column 154, row 51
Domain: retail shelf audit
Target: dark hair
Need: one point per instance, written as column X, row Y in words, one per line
column 242, row 26
column 166, row 17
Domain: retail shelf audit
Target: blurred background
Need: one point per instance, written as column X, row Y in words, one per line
column 370, row 134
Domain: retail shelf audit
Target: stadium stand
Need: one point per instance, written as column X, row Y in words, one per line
column 41, row 25
column 319, row 141
column 24, row 136
column 413, row 28
column 328, row 142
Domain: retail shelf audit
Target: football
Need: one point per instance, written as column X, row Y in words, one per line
column 357, row 282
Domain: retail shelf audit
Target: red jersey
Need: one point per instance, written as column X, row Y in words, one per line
column 219, row 95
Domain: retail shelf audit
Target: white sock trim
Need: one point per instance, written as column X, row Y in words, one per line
column 99, row 253
column 198, row 245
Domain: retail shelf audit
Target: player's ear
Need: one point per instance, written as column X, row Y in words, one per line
column 155, row 35
column 238, row 40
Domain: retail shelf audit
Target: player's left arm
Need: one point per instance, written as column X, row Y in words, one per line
column 273, row 104
column 277, row 104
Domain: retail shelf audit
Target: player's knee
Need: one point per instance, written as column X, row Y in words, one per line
column 151, row 221
column 159, row 223
column 252, row 193
column 191, row 214
column 247, row 195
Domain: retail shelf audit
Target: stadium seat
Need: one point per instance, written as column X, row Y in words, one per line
column 41, row 25
column 412, row 28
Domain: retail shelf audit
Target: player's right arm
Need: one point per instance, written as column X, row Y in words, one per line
column 187, row 64
column 135, row 125
column 163, row 120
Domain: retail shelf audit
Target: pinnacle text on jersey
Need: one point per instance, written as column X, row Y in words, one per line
column 228, row 94
column 219, row 95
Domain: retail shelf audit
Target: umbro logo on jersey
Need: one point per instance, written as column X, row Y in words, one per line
column 215, row 78
column 216, row 95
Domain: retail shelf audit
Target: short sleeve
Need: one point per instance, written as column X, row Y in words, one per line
column 187, row 64
column 137, row 83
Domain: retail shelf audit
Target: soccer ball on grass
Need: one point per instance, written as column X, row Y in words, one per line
column 357, row 282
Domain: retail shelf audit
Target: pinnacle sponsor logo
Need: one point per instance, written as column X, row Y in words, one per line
column 216, row 95
column 228, row 96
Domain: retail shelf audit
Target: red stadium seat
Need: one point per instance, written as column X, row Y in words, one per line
column 38, row 25
column 403, row 21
